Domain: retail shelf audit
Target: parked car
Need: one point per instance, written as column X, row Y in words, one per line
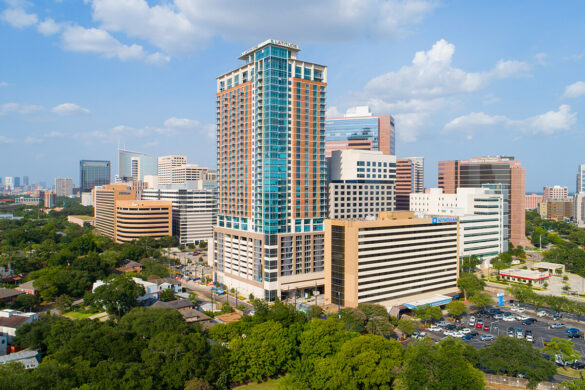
column 541, row 313
column 528, row 321
column 419, row 335
column 487, row 337
column 486, row 327
column 509, row 318
column 521, row 310
column 572, row 330
column 511, row 332
column 499, row 316
column 472, row 321
column 468, row 336
column 577, row 365
column 495, row 325
column 521, row 317
column 443, row 323
column 466, row 330
column 557, row 325
column 435, row 328
column 529, row 336
column 519, row 333
column 575, row 336
column 479, row 324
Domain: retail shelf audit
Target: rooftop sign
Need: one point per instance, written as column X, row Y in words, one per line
column 271, row 42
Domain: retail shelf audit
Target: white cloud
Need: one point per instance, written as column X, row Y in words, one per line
column 182, row 26
column 541, row 59
column 5, row 140
column 48, row 27
column 54, row 134
column 182, row 123
column 18, row 17
column 575, row 90
column 22, row 109
column 93, row 40
column 69, row 109
column 3, row 84
column 32, row 140
column 333, row 112
column 549, row 122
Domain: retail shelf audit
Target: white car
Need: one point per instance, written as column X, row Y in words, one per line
column 521, row 317
column 435, row 328
column 448, row 332
column 458, row 333
column 541, row 313
column 521, row 310
column 514, row 308
column 487, row 337
column 530, row 338
column 466, row 330
column 509, row 318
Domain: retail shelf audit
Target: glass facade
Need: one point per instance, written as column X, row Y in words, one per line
column 93, row 173
column 136, row 164
column 353, row 129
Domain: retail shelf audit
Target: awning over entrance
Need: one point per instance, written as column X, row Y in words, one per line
column 435, row 300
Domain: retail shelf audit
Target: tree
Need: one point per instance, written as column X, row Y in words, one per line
column 512, row 356
column 314, row 311
column 407, row 326
column 198, row 383
column 481, row 300
column 167, row 295
column 226, row 308
column 364, row 362
column 470, row 284
column 575, row 384
column 202, row 244
column 427, row 313
column 63, row 303
column 26, row 302
column 470, row 262
column 118, row 295
column 456, row 308
column 446, row 365
column 323, row 338
column 565, row 348
column 354, row 319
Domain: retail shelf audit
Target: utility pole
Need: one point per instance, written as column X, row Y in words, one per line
column 338, row 305
column 236, row 298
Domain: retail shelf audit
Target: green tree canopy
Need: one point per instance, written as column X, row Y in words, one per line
column 456, row 308
column 118, row 295
column 470, row 284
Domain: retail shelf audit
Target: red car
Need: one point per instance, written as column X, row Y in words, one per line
column 479, row 324
column 486, row 327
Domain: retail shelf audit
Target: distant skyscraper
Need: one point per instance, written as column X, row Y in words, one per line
column 555, row 192
column 581, row 179
column 410, row 179
column 17, row 181
column 25, row 181
column 166, row 165
column 272, row 175
column 9, row 183
column 63, row 186
column 359, row 129
column 503, row 171
column 134, row 165
column 93, row 173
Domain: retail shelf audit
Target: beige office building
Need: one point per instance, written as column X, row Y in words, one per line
column 397, row 259
column 105, row 206
column 166, row 165
column 143, row 218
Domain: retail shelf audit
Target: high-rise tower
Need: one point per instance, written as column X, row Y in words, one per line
column 271, row 173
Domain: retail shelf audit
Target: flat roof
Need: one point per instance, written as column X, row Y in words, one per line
column 435, row 300
column 544, row 264
column 267, row 42
column 524, row 274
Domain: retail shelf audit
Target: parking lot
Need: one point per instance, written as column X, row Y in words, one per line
column 541, row 330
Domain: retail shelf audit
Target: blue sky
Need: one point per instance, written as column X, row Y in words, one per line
column 462, row 78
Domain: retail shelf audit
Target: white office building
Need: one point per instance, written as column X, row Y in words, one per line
column 9, row 183
column 166, row 165
column 581, row 179
column 579, row 209
column 194, row 211
column 186, row 173
column 64, row 186
column 481, row 215
column 361, row 183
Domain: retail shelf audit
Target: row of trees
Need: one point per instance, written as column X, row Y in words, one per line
column 527, row 295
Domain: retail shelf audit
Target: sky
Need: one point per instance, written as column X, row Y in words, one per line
column 463, row 79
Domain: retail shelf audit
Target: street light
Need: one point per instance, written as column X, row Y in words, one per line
column 338, row 305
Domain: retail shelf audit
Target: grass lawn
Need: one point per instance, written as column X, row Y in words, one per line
column 568, row 371
column 268, row 385
column 77, row 315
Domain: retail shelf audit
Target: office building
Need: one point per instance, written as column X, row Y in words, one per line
column 49, row 199
column 396, row 259
column 271, row 173
column 9, row 183
column 579, row 209
column 28, row 201
column 64, row 186
column 17, row 182
column 504, row 172
column 359, row 129
column 25, row 181
column 186, row 173
column 555, row 193
column 132, row 166
column 142, row 218
column 194, row 212
column 166, row 165
column 410, row 179
column 361, row 183
column 93, row 173
column 105, row 206
column 151, row 181
column 482, row 216
column 580, row 179
column 532, row 201
column 557, row 209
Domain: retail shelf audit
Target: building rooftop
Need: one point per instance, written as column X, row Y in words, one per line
column 6, row 293
column 544, row 264
column 524, row 274
column 26, row 354
column 274, row 42
column 14, row 321
column 27, row 286
column 176, row 304
column 165, row 280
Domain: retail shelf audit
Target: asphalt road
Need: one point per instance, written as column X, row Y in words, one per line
column 204, row 294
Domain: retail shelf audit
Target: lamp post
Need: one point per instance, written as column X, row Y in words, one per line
column 338, row 305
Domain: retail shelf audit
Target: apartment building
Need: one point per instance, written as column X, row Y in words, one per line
column 271, row 173
column 555, row 193
column 359, row 129
column 410, row 179
column 532, row 201
column 194, row 212
column 361, row 183
column 579, row 209
column 396, row 259
column 482, row 218
column 63, row 186
column 558, row 209
column 580, row 179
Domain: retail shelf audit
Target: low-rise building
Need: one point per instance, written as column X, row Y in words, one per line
column 29, row 359
column 28, row 201
column 128, row 265
column 8, row 295
column 536, row 278
column 393, row 260
column 10, row 321
column 559, row 210
column 28, row 288
column 81, row 220
column 142, row 218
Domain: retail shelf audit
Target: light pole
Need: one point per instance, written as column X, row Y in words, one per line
column 338, row 305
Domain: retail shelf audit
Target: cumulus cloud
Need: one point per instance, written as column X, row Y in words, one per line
column 69, row 109
column 18, row 17
column 32, row 140
column 93, row 40
column 48, row 27
column 3, row 84
column 5, row 140
column 549, row 122
column 54, row 134
column 16, row 108
column 575, row 90
column 181, row 123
